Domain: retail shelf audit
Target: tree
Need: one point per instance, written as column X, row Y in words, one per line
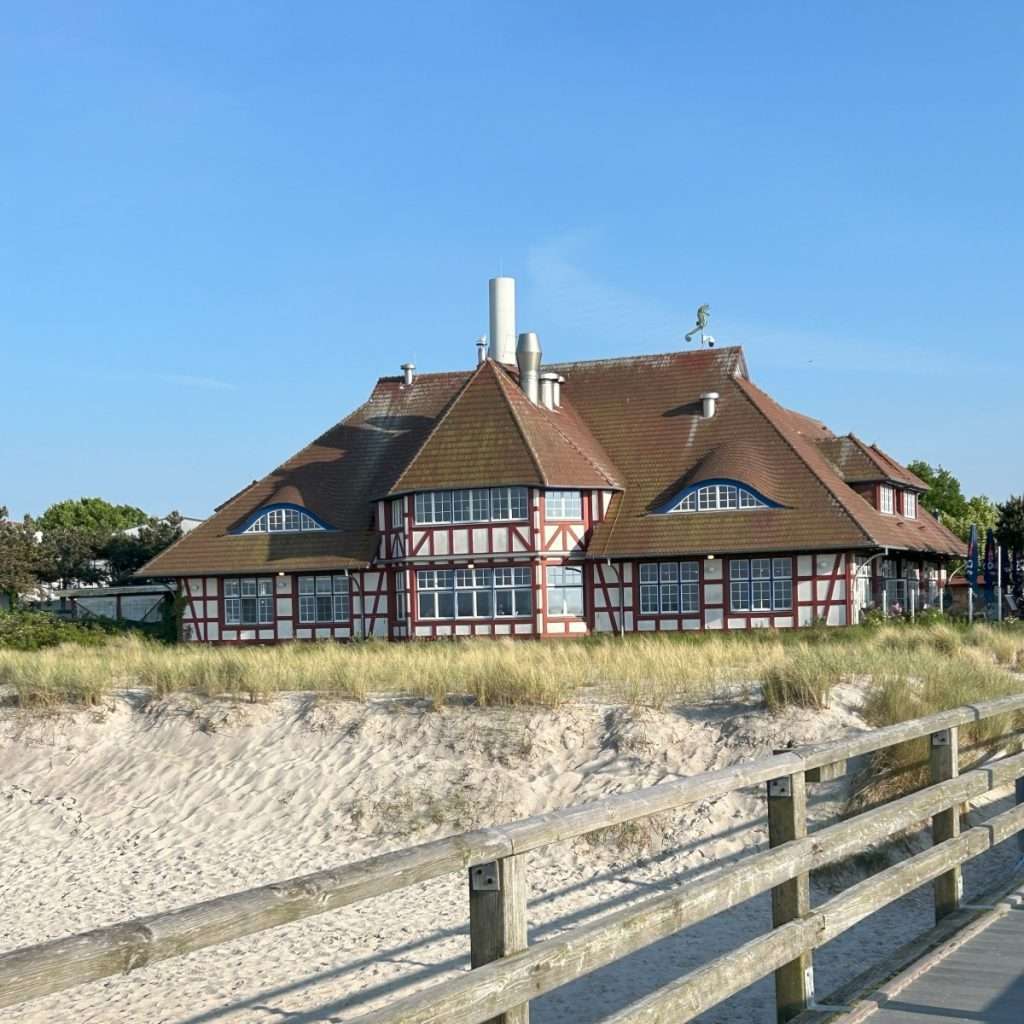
column 125, row 553
column 1010, row 525
column 91, row 514
column 19, row 557
column 71, row 554
column 944, row 498
column 979, row 511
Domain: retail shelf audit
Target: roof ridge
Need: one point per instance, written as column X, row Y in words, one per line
column 504, row 382
column 743, row 385
column 437, row 425
column 651, row 355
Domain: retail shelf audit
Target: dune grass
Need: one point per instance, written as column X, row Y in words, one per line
column 908, row 670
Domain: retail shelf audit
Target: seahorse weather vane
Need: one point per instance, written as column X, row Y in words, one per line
column 703, row 316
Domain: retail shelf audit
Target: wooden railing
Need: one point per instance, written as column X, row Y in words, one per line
column 508, row 972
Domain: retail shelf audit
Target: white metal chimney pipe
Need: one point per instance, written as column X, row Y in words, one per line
column 709, row 402
column 559, row 381
column 407, row 371
column 503, row 320
column 528, row 361
column 481, row 350
column 548, row 383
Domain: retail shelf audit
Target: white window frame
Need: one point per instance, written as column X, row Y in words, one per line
column 316, row 593
column 244, row 592
column 563, row 505
column 564, row 586
column 719, row 498
column 761, row 584
column 887, row 500
column 470, row 505
column 283, row 520
column 669, row 588
column 910, row 504
column 509, row 593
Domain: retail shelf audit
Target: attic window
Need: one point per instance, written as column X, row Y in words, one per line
column 886, row 500
column 282, row 519
column 723, row 496
column 910, row 504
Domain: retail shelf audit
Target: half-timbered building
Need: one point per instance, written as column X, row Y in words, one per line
column 521, row 499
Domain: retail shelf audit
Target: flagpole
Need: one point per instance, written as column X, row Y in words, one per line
column 999, row 583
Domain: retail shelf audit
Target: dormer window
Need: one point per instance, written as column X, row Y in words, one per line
column 282, row 519
column 887, row 500
column 910, row 504
column 721, row 496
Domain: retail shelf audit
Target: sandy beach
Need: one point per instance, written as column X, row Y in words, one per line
column 145, row 805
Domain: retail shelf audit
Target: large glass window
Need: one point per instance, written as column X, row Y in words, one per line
column 761, row 584
column 248, row 601
column 669, row 587
column 565, row 590
column 718, row 498
column 886, row 499
column 283, row 520
column 473, row 505
column 323, row 599
column 474, row 593
column 563, row 505
column 910, row 504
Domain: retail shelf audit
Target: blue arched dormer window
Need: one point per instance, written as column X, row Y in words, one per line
column 282, row 517
column 717, row 496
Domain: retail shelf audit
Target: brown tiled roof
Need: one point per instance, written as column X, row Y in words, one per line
column 858, row 462
column 493, row 434
column 630, row 425
column 335, row 477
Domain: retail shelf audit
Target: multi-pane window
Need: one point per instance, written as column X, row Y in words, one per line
column 669, row 587
column 718, row 498
column 474, row 593
column 323, row 599
column 513, row 595
column 396, row 513
column 910, row 504
column 283, row 520
column 563, row 505
column 248, row 601
column 473, row 505
column 565, row 590
column 761, row 584
column 886, row 499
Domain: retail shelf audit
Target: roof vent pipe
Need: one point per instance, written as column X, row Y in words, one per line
column 481, row 350
column 528, row 361
column 548, row 383
column 709, row 402
column 503, row 320
column 407, row 370
column 559, row 381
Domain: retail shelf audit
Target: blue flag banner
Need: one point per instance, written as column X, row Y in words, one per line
column 990, row 564
column 971, row 568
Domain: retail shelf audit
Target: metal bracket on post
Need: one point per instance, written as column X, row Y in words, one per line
column 941, row 739
column 485, row 878
column 781, row 787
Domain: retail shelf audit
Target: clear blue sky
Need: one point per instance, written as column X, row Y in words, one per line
column 220, row 222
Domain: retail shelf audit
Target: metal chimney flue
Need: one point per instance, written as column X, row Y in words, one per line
column 408, row 371
column 708, row 403
column 481, row 350
column 559, row 381
column 548, row 384
column 528, row 360
column 503, row 320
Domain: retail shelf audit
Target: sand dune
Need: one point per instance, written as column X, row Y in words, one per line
column 141, row 806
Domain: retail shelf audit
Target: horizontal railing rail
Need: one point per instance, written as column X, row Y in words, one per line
column 508, row 974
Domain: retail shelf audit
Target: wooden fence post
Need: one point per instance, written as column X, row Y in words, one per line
column 944, row 761
column 787, row 820
column 497, row 919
